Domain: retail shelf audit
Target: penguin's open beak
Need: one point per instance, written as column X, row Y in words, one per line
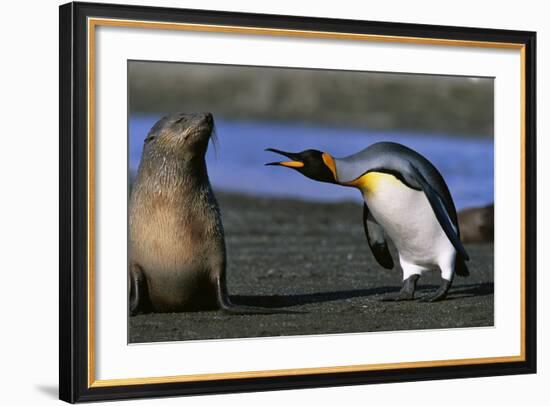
column 294, row 163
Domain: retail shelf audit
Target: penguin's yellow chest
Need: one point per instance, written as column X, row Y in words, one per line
column 374, row 182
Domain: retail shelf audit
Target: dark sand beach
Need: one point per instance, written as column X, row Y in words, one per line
column 314, row 258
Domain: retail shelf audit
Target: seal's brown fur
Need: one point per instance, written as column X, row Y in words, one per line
column 176, row 239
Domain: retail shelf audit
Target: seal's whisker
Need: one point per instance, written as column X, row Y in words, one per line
column 215, row 141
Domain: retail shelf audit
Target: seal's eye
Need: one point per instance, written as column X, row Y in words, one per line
column 149, row 138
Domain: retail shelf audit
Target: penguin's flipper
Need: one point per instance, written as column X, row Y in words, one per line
column 440, row 212
column 377, row 239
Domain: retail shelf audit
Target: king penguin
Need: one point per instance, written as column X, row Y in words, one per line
column 406, row 200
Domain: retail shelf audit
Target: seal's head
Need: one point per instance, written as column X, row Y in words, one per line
column 183, row 136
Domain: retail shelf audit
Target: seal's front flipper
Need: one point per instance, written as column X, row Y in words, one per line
column 138, row 291
column 226, row 306
column 377, row 239
column 440, row 294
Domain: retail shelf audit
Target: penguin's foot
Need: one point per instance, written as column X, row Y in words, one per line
column 440, row 294
column 407, row 291
column 402, row 296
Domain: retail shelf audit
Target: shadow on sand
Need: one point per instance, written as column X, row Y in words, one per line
column 272, row 301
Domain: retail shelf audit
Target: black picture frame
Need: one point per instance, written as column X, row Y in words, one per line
column 74, row 385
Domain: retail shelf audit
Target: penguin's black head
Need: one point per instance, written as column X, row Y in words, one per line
column 314, row 164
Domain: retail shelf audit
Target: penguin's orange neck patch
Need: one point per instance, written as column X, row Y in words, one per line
column 370, row 182
column 329, row 163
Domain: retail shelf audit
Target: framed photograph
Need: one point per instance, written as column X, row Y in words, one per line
column 256, row 202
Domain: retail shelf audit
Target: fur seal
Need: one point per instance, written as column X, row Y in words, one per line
column 177, row 254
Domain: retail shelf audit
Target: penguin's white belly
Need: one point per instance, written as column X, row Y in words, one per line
column 407, row 218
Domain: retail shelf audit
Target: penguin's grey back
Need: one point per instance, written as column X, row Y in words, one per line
column 395, row 159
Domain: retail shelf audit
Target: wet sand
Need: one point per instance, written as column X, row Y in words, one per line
column 314, row 258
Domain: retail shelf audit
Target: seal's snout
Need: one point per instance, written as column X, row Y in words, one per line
column 192, row 120
column 193, row 126
column 209, row 119
column 203, row 123
column 189, row 132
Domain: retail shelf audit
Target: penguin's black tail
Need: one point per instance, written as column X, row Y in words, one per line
column 460, row 267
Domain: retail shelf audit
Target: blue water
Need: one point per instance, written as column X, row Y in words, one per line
column 237, row 164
